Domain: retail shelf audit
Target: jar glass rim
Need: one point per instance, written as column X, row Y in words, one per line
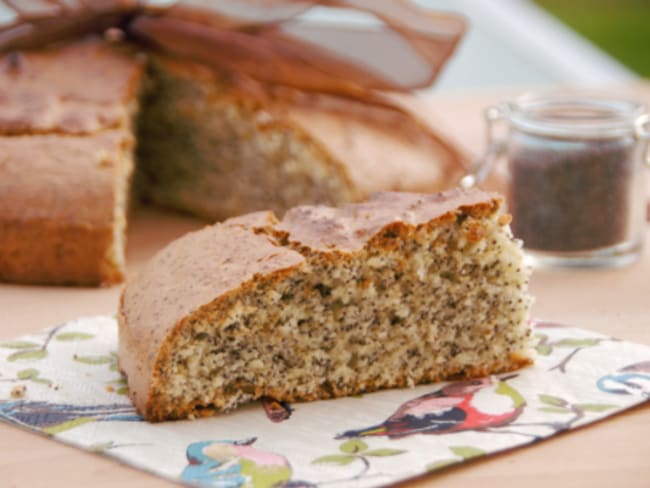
column 574, row 114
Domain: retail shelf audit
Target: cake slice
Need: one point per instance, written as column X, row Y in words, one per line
column 403, row 289
column 66, row 158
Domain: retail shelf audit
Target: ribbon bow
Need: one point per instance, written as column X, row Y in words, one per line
column 399, row 47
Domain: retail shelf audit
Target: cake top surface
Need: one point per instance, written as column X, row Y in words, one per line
column 48, row 91
column 372, row 137
column 350, row 227
column 208, row 263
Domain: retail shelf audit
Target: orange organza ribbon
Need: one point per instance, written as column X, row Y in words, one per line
column 399, row 47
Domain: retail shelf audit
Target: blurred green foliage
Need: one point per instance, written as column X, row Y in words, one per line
column 619, row 27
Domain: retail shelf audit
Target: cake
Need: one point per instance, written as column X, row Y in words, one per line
column 66, row 158
column 218, row 146
column 75, row 116
column 399, row 290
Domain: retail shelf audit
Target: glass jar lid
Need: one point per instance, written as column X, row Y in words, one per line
column 574, row 115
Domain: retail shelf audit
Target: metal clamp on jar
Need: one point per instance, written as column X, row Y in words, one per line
column 576, row 179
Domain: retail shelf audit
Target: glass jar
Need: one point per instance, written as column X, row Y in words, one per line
column 576, row 181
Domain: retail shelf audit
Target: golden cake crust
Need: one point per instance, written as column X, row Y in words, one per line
column 79, row 88
column 349, row 228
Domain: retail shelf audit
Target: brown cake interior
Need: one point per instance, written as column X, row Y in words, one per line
column 211, row 150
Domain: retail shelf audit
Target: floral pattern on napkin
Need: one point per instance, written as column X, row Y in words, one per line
column 64, row 383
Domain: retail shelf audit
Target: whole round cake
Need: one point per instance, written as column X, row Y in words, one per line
column 206, row 114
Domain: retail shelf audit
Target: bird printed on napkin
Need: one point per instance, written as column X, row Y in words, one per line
column 453, row 408
column 630, row 380
column 234, row 464
column 53, row 418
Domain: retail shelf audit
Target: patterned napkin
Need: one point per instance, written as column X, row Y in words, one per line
column 64, row 383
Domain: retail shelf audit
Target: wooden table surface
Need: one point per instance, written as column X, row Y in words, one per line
column 613, row 453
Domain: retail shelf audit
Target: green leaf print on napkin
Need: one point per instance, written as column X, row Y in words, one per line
column 356, row 450
column 19, row 345
column 74, row 336
column 546, row 347
column 29, row 350
column 339, row 459
column 32, row 374
column 556, row 405
column 465, row 453
column 92, row 359
column 353, row 446
column 595, row 407
column 552, row 400
column 27, row 355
